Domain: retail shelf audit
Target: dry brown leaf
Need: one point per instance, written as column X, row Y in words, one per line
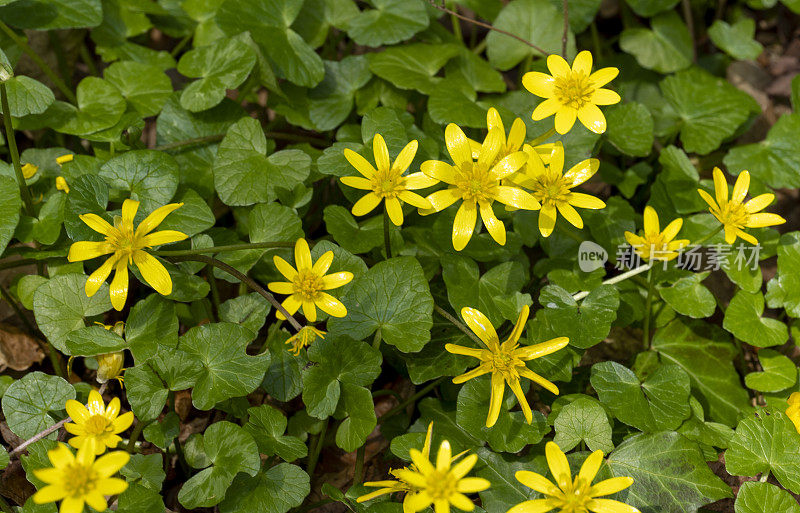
column 18, row 350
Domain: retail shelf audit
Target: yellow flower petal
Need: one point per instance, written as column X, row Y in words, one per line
column 582, row 63
column 28, row 170
column 86, row 250
column 523, row 402
column 366, row 204
column 281, row 287
column 309, row 310
column 323, row 263
column 536, row 482
column 440, row 200
column 603, row 76
column 112, row 486
column 610, row 506
column 357, row 182
column 302, row 255
column 96, row 501
column 480, row 370
column 381, row 153
column 544, row 383
column 336, row 280
column 545, row 109
column 651, row 226
column 155, row 218
column 559, row 466
column 720, row 186
column 509, row 164
column 592, row 118
column 542, row 348
column 533, row 506
column 743, row 235
column 539, row 84
column 491, row 147
column 493, row 225
column 49, row 493
column 708, row 199
column 284, row 268
column 740, row 187
column 419, row 180
column 493, row 120
column 558, row 66
column 515, row 197
column 570, row 214
column 71, row 505
column 123, row 422
column 591, row 466
column 163, row 237
column 496, row 399
column 108, row 465
column 129, row 209
column 760, row 202
column 565, row 118
column 359, row 163
column 439, row 170
column 463, row 467
column 417, row 502
column 547, row 219
column 444, row 456
column 119, row 285
column 414, row 199
column 516, row 136
column 730, row 234
column 605, row 97
column 422, row 463
column 405, row 157
column 609, row 486
column 77, row 411
column 581, row 200
column 457, row 144
column 63, row 159
column 464, row 225
column 291, row 304
column 466, row 351
column 330, row 305
column 372, row 495
column 480, row 325
column 395, row 211
column 582, row 171
column 763, row 219
column 461, row 501
column 153, row 272
column 672, row 229
column 520, row 324
column 97, row 223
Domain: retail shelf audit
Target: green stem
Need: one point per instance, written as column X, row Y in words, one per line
column 616, row 279
column 708, row 236
column 480, row 47
column 181, row 457
column 455, row 322
column 12, row 148
column 88, row 60
column 313, row 457
column 565, row 32
column 402, row 406
column 59, row 83
column 222, row 249
column 647, row 309
column 358, row 473
column 212, row 283
column 598, row 48
column 542, row 138
column 181, row 45
column 58, row 50
column 387, row 240
column 244, row 279
column 137, row 430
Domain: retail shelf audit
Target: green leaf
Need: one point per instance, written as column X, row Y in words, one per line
column 249, row 311
column 766, row 442
column 276, row 490
column 779, row 373
column 743, row 320
column 433, row 361
column 453, row 101
column 100, row 106
column 151, row 323
column 267, row 425
column 231, row 450
column 220, row 66
column 666, row 48
column 774, row 160
column 228, row 371
column 268, row 23
column 511, row 433
column 737, row 39
column 10, row 203
column 28, row 96
column 4, row 459
column 360, row 420
column 146, row 469
column 150, row 177
column 537, row 21
column 61, row 306
column 283, row 379
column 755, row 497
column 647, row 8
column 412, row 66
column 163, row 433
column 783, row 291
column 93, row 340
column 345, row 230
column 688, row 296
column 630, row 128
column 338, row 360
column 390, row 22
column 669, row 474
column 88, row 194
column 140, row 499
column 27, row 403
column 53, row 14
column 706, row 354
column 660, row 402
column 711, row 109
column 193, row 217
column 146, row 391
column 244, row 175
column 272, row 222
column 676, row 185
column 583, row 420
column 560, row 316
column 144, row 86
column 331, row 101
column 393, row 297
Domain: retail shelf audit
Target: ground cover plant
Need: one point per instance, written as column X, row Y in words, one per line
column 390, row 256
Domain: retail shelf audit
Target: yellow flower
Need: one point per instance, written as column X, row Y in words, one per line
column 96, row 422
column 82, row 479
column 61, row 184
column 552, row 187
column 568, row 496
column 127, row 247
column 109, row 366
column 506, row 361
column 572, row 93
column 654, row 243
column 477, row 184
column 387, row 182
column 28, row 170
column 304, row 338
column 308, row 282
column 510, row 144
column 63, row 159
column 793, row 411
column 442, row 485
column 735, row 215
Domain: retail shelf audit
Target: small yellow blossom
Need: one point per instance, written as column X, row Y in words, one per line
column 510, row 144
column 655, row 244
column 308, row 282
column 61, row 184
column 79, row 480
column 96, row 422
column 28, row 170
column 572, row 93
column 477, row 184
column 63, row 159
column 793, row 411
column 553, row 188
column 442, row 485
column 735, row 215
column 304, row 338
column 128, row 247
column 387, row 182
column 506, row 361
column 568, row 495
column 109, row 366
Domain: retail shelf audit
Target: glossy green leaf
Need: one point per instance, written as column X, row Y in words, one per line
column 666, row 47
column 276, row 490
column 688, row 296
column 28, row 96
column 27, row 402
column 736, row 39
column 100, row 106
column 412, row 66
column 775, row 159
column 743, row 319
column 391, row 21
column 783, row 291
column 755, row 497
column 267, row 425
column 53, row 14
column 630, row 128
column 583, row 420
column 779, row 373
column 145, row 86
column 10, row 203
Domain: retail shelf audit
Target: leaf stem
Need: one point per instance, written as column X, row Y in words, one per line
column 708, row 236
column 444, row 313
column 30, row 52
column 358, row 472
column 137, row 430
column 402, row 406
column 687, row 15
column 222, row 249
column 313, row 457
column 566, row 29
column 387, row 240
column 648, row 308
column 244, row 279
column 12, row 148
column 616, row 279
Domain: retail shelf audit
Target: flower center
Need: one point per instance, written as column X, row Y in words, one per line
column 504, row 362
column 441, row 485
column 550, row 187
column 733, row 213
column 307, row 284
column 98, row 425
column 80, row 480
column 574, row 497
column 387, row 183
column 475, row 182
column 574, row 90
column 124, row 241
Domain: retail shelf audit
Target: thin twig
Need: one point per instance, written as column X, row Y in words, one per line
column 566, row 30
column 487, row 26
column 455, row 322
column 244, row 279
